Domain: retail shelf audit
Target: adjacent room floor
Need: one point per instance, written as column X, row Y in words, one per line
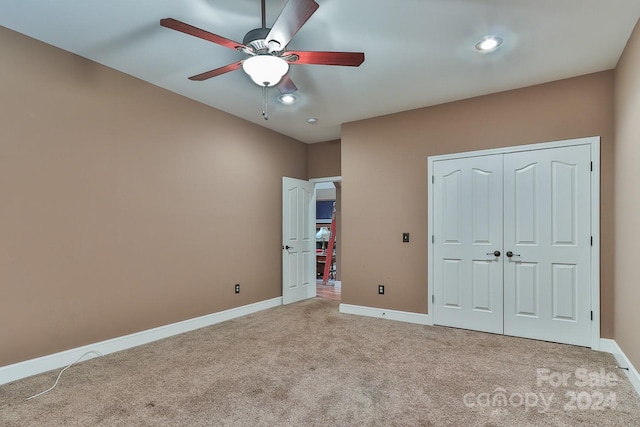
column 332, row 290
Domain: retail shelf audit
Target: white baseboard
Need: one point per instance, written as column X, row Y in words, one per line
column 58, row 360
column 610, row 346
column 381, row 313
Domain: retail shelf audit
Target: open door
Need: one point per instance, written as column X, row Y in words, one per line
column 298, row 240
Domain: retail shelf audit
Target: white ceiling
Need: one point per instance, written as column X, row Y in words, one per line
column 417, row 52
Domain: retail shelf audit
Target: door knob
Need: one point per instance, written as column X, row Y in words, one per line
column 287, row 247
column 511, row 254
column 494, row 253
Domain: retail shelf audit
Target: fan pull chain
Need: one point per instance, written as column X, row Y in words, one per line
column 264, row 102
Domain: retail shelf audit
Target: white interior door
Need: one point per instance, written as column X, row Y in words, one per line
column 468, row 243
column 298, row 240
column 547, row 228
column 534, row 207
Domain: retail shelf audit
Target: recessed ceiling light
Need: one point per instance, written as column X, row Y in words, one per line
column 489, row 43
column 312, row 120
column 287, row 98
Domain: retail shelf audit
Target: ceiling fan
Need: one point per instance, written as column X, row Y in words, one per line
column 268, row 60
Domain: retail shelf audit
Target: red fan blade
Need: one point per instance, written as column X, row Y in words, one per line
column 217, row 71
column 174, row 24
column 347, row 59
column 286, row 85
column 291, row 19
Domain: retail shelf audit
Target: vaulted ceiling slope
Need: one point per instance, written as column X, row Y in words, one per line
column 417, row 52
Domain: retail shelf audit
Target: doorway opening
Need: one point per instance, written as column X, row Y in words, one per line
column 328, row 283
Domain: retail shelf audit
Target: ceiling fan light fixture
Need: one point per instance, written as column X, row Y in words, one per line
column 265, row 70
column 489, row 43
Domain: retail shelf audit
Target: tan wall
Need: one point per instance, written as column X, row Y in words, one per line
column 627, row 184
column 384, row 175
column 125, row 206
column 324, row 159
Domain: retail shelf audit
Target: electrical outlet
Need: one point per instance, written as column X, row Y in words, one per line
column 405, row 237
column 237, row 288
column 381, row 289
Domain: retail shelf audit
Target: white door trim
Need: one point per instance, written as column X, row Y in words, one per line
column 594, row 143
column 326, row 179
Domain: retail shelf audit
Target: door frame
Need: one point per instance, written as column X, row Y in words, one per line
column 334, row 180
column 594, row 143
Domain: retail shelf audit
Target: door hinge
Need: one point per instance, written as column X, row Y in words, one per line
column 591, row 166
column 433, row 239
column 433, row 298
column 591, row 240
column 592, row 315
column 433, row 179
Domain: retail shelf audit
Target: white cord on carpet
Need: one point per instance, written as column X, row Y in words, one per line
column 97, row 353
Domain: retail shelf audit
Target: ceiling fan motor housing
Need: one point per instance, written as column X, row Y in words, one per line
column 256, row 39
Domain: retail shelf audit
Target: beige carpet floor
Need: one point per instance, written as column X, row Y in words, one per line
column 308, row 365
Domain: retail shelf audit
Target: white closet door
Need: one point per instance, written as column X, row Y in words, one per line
column 468, row 222
column 547, row 200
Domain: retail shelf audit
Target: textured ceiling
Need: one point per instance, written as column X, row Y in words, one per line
column 417, row 52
